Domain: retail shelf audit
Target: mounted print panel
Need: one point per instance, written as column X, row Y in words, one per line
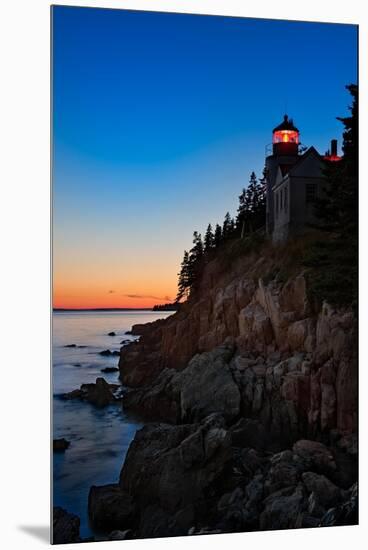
column 205, row 266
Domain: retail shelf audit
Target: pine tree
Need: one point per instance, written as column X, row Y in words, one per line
column 218, row 235
column 338, row 210
column 209, row 238
column 226, row 226
column 194, row 261
column 333, row 260
column 183, row 282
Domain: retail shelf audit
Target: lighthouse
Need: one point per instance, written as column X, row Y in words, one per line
column 285, row 153
column 294, row 181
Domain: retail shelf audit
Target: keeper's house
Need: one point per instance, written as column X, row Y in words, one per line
column 294, row 180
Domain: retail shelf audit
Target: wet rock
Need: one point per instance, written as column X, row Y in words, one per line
column 65, row 527
column 112, row 333
column 100, row 394
column 105, row 353
column 110, row 369
column 110, row 508
column 121, row 535
column 60, row 445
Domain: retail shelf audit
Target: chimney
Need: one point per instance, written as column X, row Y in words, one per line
column 334, row 147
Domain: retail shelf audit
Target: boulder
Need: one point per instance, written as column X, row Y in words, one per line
column 344, row 514
column 326, row 492
column 65, row 526
column 110, row 369
column 60, row 445
column 100, row 394
column 317, row 455
column 283, row 510
column 111, row 333
column 168, row 469
column 110, row 508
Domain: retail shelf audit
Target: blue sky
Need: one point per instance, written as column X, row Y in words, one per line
column 160, row 118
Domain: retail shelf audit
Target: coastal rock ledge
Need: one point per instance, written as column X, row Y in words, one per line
column 257, row 350
column 253, row 393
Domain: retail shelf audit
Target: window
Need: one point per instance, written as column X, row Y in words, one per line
column 286, row 199
column 310, row 192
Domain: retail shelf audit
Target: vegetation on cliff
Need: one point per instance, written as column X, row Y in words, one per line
column 333, row 259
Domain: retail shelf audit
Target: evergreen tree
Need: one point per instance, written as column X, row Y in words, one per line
column 183, row 282
column 218, row 235
column 194, row 261
column 334, row 259
column 209, row 238
column 252, row 206
column 338, row 209
column 226, row 226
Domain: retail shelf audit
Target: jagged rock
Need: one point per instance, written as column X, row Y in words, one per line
column 158, row 401
column 326, row 491
column 168, row 468
column 60, row 445
column 99, row 394
column 344, row 514
column 317, row 455
column 207, row 386
column 248, row 432
column 110, row 369
column 110, row 508
column 65, row 526
column 120, row 535
column 282, row 511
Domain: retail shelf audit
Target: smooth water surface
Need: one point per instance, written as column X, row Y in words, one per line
column 99, row 437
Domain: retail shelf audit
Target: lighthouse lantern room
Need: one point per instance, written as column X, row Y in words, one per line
column 285, row 138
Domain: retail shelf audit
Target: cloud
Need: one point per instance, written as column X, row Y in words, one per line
column 145, row 296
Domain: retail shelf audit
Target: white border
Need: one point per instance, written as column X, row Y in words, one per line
column 25, row 274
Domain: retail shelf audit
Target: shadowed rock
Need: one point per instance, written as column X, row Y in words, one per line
column 65, row 527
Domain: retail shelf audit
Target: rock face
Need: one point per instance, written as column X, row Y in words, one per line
column 65, row 527
column 168, row 469
column 110, row 508
column 295, row 368
column 257, row 394
column 206, row 386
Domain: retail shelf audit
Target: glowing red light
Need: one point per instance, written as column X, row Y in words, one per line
column 332, row 158
column 286, row 136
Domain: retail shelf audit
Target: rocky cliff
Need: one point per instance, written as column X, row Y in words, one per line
column 256, row 391
column 248, row 348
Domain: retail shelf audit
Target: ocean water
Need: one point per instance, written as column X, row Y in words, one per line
column 99, row 437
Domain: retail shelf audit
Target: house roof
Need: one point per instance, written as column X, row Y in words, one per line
column 288, row 170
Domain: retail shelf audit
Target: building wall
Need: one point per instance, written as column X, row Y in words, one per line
column 297, row 215
column 272, row 165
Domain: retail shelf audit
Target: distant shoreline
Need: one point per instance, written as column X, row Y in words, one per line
column 58, row 309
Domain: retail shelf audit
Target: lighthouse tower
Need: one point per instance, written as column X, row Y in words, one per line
column 285, row 153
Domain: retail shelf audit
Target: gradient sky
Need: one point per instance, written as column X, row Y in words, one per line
column 158, row 120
